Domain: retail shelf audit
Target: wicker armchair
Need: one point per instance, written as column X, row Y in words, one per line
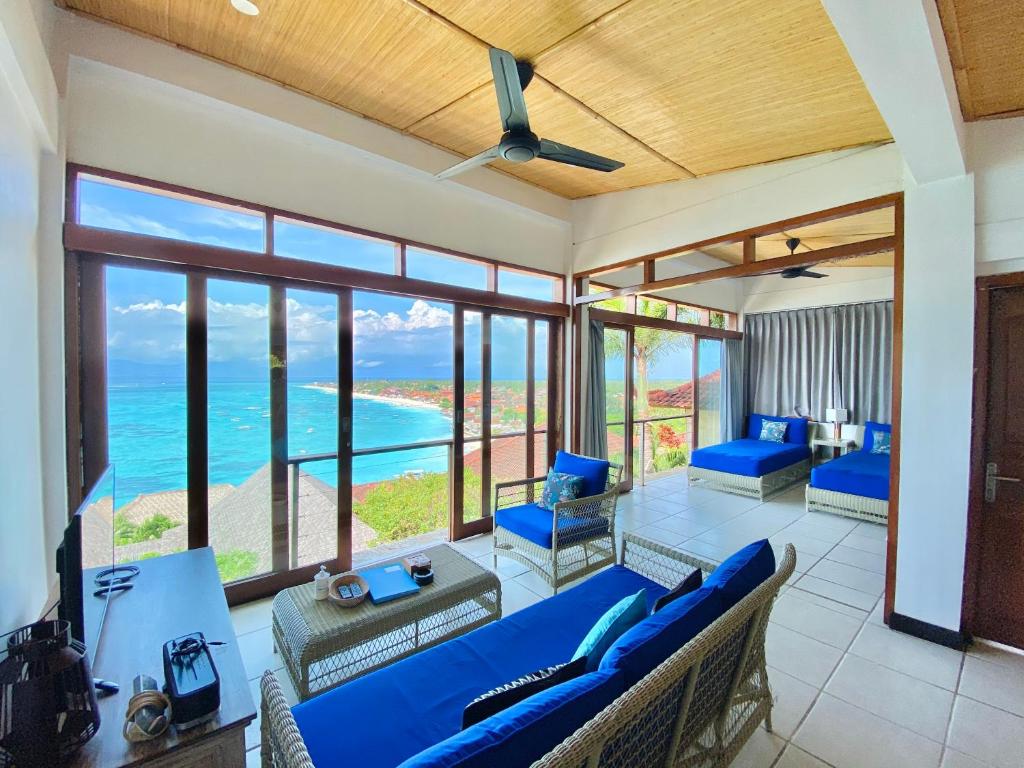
column 582, row 531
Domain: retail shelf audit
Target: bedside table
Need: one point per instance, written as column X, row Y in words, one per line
column 843, row 445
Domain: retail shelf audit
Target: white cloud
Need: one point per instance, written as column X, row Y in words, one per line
column 93, row 215
column 151, row 306
column 368, row 363
column 420, row 316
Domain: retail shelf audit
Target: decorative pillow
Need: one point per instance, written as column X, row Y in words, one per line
column 593, row 471
column 773, row 431
column 873, row 431
column 880, row 442
column 684, row 587
column 616, row 620
column 504, row 696
column 560, row 486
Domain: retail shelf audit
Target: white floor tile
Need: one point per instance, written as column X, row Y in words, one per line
column 475, row 546
column 253, row 759
column 515, row 597
column 837, row 592
column 849, row 576
column 794, row 757
column 252, row 616
column 792, row 697
column 858, row 558
column 865, row 543
column 875, row 531
column 709, row 516
column 832, row 605
column 760, row 750
column 704, row 550
column 507, row 567
column 918, row 658
column 667, row 505
column 808, row 618
column 954, row 759
column 533, row 582
column 998, row 654
column 802, row 657
column 919, row 706
column 661, row 535
column 725, row 502
column 827, row 535
column 986, row 733
column 849, row 737
column 257, row 650
column 999, row 685
column 682, row 525
column 802, row 541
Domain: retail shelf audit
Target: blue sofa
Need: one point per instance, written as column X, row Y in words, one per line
column 751, row 466
column 854, row 485
column 410, row 713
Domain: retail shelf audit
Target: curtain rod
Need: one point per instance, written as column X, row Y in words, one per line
column 819, row 306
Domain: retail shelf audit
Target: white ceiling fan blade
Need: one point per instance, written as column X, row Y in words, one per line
column 484, row 157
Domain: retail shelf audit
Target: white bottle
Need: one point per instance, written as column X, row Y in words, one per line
column 321, row 581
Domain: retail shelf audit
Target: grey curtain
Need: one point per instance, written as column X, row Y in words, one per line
column 595, row 422
column 803, row 361
column 733, row 398
column 864, row 361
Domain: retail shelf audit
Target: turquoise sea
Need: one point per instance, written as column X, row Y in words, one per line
column 147, row 427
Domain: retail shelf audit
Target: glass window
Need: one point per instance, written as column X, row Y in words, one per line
column 709, row 392
column 310, row 242
column 529, row 285
column 108, row 204
column 686, row 314
column 612, row 305
column 651, row 307
column 440, row 268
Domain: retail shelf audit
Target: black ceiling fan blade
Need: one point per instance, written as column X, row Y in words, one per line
column 511, row 102
column 562, row 153
column 792, row 272
column 484, row 157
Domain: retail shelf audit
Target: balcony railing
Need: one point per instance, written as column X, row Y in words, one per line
column 640, row 457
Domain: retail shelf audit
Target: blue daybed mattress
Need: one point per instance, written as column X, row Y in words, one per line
column 860, row 473
column 751, row 458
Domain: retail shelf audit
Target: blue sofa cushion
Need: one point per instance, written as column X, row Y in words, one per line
column 593, row 471
column 752, row 458
column 616, row 621
column 796, row 434
column 526, row 731
column 533, row 523
column 742, row 572
column 870, row 427
column 545, row 634
column 661, row 634
column 861, row 473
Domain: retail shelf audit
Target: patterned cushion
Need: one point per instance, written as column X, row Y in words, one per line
column 506, row 695
column 773, row 431
column 881, row 442
column 616, row 620
column 560, row 486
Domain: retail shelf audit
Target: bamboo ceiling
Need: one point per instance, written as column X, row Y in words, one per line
column 673, row 88
column 986, row 48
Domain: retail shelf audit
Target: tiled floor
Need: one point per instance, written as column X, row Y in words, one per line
column 849, row 692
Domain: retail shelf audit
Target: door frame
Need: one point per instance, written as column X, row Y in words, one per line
column 983, row 286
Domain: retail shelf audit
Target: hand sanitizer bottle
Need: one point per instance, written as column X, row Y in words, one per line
column 321, row 581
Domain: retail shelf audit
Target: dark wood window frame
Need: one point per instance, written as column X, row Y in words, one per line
column 89, row 250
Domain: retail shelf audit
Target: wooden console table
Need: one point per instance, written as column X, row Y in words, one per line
column 172, row 596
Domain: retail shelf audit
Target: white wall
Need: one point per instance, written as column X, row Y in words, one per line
column 28, row 131
column 844, row 285
column 938, row 348
column 996, row 150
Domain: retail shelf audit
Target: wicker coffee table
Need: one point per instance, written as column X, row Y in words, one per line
column 324, row 645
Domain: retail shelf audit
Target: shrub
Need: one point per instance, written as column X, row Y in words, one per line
column 127, row 532
column 407, row 506
column 235, row 564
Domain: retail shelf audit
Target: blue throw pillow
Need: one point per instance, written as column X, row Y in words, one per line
column 754, row 425
column 616, row 620
column 872, row 428
column 773, row 431
column 661, row 634
column 742, row 572
column 559, row 487
column 593, row 471
column 797, row 432
column 880, row 442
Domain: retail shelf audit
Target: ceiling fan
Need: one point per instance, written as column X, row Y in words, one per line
column 518, row 143
column 792, row 272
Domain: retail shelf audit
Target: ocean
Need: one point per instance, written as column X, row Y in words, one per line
column 148, row 429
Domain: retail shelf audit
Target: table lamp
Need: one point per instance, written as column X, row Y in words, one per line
column 838, row 417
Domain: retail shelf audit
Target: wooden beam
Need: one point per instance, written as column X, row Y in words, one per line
column 818, row 217
column 749, row 249
column 649, row 271
column 846, row 251
column 889, row 598
column 642, row 321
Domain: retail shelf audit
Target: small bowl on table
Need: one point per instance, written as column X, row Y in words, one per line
column 347, row 579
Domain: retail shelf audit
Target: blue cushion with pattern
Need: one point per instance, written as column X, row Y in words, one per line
column 773, row 431
column 560, row 486
column 880, row 442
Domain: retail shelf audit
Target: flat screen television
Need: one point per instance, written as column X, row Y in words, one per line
column 85, row 562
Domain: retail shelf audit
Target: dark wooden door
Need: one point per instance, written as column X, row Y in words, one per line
column 999, row 610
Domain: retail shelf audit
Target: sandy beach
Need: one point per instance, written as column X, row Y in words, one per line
column 406, row 402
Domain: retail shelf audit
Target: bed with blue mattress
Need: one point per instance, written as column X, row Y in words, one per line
column 762, row 463
column 856, row 484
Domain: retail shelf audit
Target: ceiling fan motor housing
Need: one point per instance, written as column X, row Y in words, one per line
column 519, row 146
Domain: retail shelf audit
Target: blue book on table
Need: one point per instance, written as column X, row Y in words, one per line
column 388, row 582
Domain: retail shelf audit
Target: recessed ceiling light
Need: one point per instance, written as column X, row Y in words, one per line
column 245, row 6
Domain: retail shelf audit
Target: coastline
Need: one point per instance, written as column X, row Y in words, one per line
column 405, row 402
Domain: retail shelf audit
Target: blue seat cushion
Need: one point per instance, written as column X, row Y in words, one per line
column 861, row 473
column 593, row 471
column 534, row 523
column 751, row 458
column 545, row 634
column 657, row 637
column 796, row 433
column 526, row 731
column 870, row 427
column 742, row 572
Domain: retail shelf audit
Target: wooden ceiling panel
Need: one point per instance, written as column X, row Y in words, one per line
column 720, row 85
column 986, row 48
column 375, row 57
column 525, row 28
column 471, row 125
